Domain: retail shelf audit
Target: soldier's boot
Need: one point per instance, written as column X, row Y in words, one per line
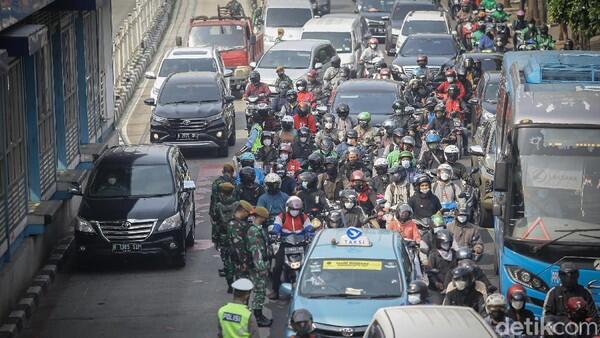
column 261, row 320
column 229, row 288
column 221, row 272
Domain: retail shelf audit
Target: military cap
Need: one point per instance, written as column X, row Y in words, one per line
column 226, row 187
column 246, row 206
column 243, row 284
column 228, row 167
column 262, row 212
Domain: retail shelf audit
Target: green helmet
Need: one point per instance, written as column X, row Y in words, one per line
column 364, row 116
column 406, row 153
column 437, row 220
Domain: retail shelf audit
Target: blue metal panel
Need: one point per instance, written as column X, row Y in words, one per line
column 33, row 162
column 59, row 107
column 34, row 229
column 81, row 84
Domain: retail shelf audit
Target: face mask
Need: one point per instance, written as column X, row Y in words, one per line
column 406, row 164
column 424, row 190
column 305, row 185
column 303, row 139
column 460, row 284
column 414, row 299
column 300, row 89
column 348, row 205
column 363, row 124
column 328, row 125
column 373, row 46
column 461, row 219
column 267, row 142
column 284, row 156
column 517, row 304
column 445, row 246
column 444, row 176
column 450, row 79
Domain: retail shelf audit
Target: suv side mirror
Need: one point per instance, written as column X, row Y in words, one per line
column 178, row 41
column 150, row 75
column 501, row 176
column 75, row 189
column 189, row 185
column 476, row 150
column 150, row 101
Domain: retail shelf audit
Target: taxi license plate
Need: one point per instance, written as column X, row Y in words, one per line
column 188, row 136
column 126, row 247
column 294, row 250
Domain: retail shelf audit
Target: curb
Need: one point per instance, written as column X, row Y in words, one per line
column 39, row 285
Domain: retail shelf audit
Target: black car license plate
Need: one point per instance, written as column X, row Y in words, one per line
column 126, row 247
column 188, row 136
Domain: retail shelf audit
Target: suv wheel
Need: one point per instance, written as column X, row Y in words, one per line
column 178, row 259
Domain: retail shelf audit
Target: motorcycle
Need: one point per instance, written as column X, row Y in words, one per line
column 466, row 30
column 370, row 67
column 470, row 195
column 294, row 247
column 318, row 112
column 251, row 107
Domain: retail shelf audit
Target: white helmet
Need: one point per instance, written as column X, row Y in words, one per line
column 287, row 118
column 451, row 153
column 272, row 178
column 294, row 203
column 380, row 162
column 495, row 301
column 445, row 168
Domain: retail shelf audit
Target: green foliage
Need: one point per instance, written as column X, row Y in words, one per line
column 582, row 16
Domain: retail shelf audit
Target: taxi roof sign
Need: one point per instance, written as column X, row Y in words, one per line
column 354, row 237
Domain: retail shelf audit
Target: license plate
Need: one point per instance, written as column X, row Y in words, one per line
column 126, row 247
column 294, row 250
column 188, row 136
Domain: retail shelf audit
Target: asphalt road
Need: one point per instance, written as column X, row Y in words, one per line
column 144, row 297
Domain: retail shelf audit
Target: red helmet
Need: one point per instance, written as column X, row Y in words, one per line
column 373, row 40
column 357, row 175
column 312, row 73
column 450, row 72
column 466, row 2
column 576, row 304
column 514, row 289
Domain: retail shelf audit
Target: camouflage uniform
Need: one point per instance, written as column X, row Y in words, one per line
column 215, row 196
column 236, row 233
column 224, row 214
column 256, row 249
column 367, row 137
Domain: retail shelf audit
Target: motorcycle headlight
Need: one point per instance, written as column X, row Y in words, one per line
column 159, row 119
column 83, row 225
column 170, row 223
column 526, row 278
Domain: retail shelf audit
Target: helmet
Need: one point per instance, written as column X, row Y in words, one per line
column 280, row 169
column 433, row 138
column 342, row 109
column 422, row 179
column 389, row 125
column 293, row 94
column 330, row 160
column 315, row 161
column 398, row 132
column 408, row 140
column 308, row 180
column 357, row 175
column 294, row 203
column 247, row 156
column 464, row 253
column 398, row 174
column 495, row 301
column 430, row 102
column 283, row 87
column 568, row 275
column 267, row 134
column 273, row 183
column 468, row 63
column 364, row 116
column 450, row 73
column 520, row 13
column 568, row 45
column 373, row 41
column 440, row 107
column 254, row 77
column 467, row 263
column 348, row 197
column 443, row 238
column 462, row 277
column 287, row 122
column 304, row 132
column 499, row 6
column 453, row 91
column 313, row 73
column 351, row 134
column 577, row 308
column 304, row 108
column 336, row 61
column 247, row 175
column 399, row 105
column 517, row 296
column 438, row 220
column 445, row 168
column 301, row 84
column 417, row 287
column 405, row 154
column 422, row 60
column 451, row 153
column 381, row 166
column 404, row 208
column 302, row 322
column 327, row 144
column 544, row 30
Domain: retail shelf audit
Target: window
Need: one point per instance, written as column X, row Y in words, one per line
column 113, row 180
column 375, row 331
column 69, row 72
column 181, row 167
column 45, row 119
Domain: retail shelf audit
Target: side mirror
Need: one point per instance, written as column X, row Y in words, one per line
column 474, row 100
column 501, row 176
column 286, row 289
column 252, row 64
column 385, row 17
column 178, row 41
column 150, row 101
column 318, row 65
column 150, row 75
column 227, row 73
column 253, row 39
column 75, row 190
column 229, row 98
column 476, row 150
column 189, row 186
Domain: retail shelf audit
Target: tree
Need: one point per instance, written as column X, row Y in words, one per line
column 580, row 15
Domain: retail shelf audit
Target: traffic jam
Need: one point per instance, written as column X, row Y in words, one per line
column 411, row 168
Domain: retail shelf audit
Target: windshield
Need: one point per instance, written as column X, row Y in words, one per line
column 188, row 93
column 122, row 181
column 376, row 103
column 292, row 59
column 287, row 17
column 377, row 5
column 402, row 9
column 491, row 64
column 339, row 278
column 428, row 46
column 557, row 185
column 413, row 27
column 491, row 93
column 229, row 36
column 341, row 41
column 170, row 66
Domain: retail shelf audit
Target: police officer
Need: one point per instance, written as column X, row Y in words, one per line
column 235, row 319
column 256, row 249
column 556, row 298
column 224, row 210
column 236, row 234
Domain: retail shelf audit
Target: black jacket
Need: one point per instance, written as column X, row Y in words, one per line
column 302, row 150
column 557, row 297
column 251, row 193
column 468, row 297
column 424, row 205
column 443, row 266
column 433, row 158
column 313, row 201
column 379, row 183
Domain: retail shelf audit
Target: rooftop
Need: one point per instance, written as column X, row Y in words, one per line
column 142, row 154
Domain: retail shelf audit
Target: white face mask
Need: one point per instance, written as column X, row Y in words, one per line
column 303, row 139
column 460, row 284
column 517, row 304
column 450, row 79
column 373, row 46
column 462, row 219
column 406, row 164
column 284, row 156
column 414, row 299
column 328, row 125
column 267, row 142
column 424, row 190
column 348, row 205
column 300, row 89
column 444, row 176
column 294, row 213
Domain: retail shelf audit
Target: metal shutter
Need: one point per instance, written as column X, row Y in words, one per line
column 91, row 73
column 3, row 220
column 69, row 64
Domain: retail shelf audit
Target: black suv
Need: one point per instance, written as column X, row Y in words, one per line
column 139, row 200
column 194, row 109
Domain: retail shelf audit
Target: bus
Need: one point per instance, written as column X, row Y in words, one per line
column 546, row 198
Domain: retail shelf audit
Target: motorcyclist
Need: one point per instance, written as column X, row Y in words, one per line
column 353, row 163
column 450, row 79
column 247, row 159
column 380, row 181
column 488, row 5
column 461, row 76
column 332, row 73
column 465, row 233
column 253, row 142
column 468, row 65
column 402, row 115
column 287, row 134
column 416, row 93
column 313, row 199
column 366, row 133
column 451, row 154
column 351, row 140
column 328, row 130
column 544, row 40
column 487, row 40
column 313, row 85
column 330, row 182
column 444, row 188
column 405, row 159
column 343, row 122
column 257, row 88
column 424, row 203
column 235, row 8
column 303, row 94
column 464, row 15
column 517, row 298
column 399, row 190
column 314, row 163
column 422, row 61
column 302, row 147
column 280, row 33
column 301, row 322
column 274, row 199
column 353, row 214
column 518, row 25
column 367, row 198
column 476, row 36
column 404, row 224
column 433, row 156
column 499, row 15
column 326, row 148
column 384, row 74
column 568, row 45
column 442, row 260
column 464, row 292
column 267, row 154
column 291, row 105
column 303, row 118
column 280, row 101
column 495, row 310
column 417, row 293
column 369, row 54
column 529, row 33
column 248, row 190
column 288, row 182
column 387, row 140
column 282, row 77
column 555, row 302
column 441, row 123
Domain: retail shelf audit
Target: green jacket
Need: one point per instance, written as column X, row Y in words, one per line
column 500, row 16
column 475, row 37
column 488, row 4
column 223, row 214
column 544, row 41
column 283, row 78
column 215, row 196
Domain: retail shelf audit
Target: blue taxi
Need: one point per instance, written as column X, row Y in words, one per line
column 348, row 274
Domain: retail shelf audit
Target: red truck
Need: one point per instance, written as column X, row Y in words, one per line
column 235, row 39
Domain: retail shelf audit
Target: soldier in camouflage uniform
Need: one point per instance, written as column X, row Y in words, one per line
column 256, row 249
column 227, row 176
column 226, row 205
column 236, row 236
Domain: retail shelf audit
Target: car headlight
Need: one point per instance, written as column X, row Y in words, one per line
column 170, row 223
column 83, row 225
column 216, row 117
column 526, row 278
column 159, row 119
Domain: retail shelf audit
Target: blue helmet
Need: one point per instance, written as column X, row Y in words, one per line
column 433, row 138
column 247, row 156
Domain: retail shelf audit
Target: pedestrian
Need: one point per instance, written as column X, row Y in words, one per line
column 224, row 213
column 236, row 233
column 256, row 249
column 235, row 320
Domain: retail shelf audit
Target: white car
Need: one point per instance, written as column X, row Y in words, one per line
column 422, row 22
column 290, row 15
column 186, row 59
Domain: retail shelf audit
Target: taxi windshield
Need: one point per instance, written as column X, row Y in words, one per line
column 346, row 278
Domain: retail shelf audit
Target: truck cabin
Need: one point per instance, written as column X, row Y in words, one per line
column 220, row 32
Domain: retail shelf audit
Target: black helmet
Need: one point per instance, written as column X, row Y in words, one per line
column 443, row 239
column 544, row 29
column 327, row 144
column 499, row 6
column 468, row 263
column 351, row 134
column 302, row 321
column 336, row 219
column 422, row 179
column 398, row 132
column 462, row 274
column 418, row 286
column 568, row 45
column 453, row 91
column 398, row 174
column 348, row 196
column 308, row 180
column 422, row 60
column 315, row 161
column 464, row 253
column 336, row 61
column 399, row 106
column 292, row 94
column 330, row 160
column 301, row 84
column 342, row 110
column 468, row 63
column 303, row 132
column 389, row 125
column 568, row 275
column 254, row 77
column 247, row 175
column 430, row 102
